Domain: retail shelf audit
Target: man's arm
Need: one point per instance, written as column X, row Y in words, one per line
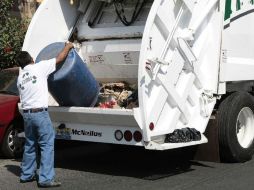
column 63, row 54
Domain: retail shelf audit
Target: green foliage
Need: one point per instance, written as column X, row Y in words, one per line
column 12, row 32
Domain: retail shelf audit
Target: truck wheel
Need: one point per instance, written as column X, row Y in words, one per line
column 9, row 148
column 236, row 127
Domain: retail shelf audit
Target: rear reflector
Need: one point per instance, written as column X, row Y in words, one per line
column 118, row 135
column 127, row 135
column 151, row 126
column 137, row 136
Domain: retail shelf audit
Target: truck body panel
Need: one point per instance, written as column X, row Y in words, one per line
column 237, row 54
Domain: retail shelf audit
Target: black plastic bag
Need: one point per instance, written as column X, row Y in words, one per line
column 183, row 135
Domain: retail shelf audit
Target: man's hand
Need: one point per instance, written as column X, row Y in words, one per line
column 63, row 54
column 69, row 45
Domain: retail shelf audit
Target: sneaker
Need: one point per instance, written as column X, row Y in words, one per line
column 50, row 184
column 27, row 180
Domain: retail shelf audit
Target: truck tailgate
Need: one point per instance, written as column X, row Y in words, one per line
column 93, row 124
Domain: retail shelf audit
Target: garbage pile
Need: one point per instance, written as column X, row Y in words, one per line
column 117, row 96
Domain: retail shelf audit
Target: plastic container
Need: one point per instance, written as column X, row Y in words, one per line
column 72, row 84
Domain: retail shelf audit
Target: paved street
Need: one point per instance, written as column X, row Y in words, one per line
column 99, row 166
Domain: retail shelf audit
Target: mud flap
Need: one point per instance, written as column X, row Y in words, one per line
column 209, row 151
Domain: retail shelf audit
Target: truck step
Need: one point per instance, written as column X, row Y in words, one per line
column 165, row 146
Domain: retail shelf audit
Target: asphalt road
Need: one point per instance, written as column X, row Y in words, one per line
column 99, row 166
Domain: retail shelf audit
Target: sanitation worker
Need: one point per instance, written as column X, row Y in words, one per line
column 33, row 90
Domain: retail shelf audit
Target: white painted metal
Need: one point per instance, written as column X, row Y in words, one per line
column 108, row 26
column 113, row 60
column 172, row 67
column 85, row 132
column 79, row 122
column 245, row 127
column 208, row 7
column 52, row 22
column 116, row 117
column 165, row 146
column 89, row 33
column 238, row 43
column 110, row 50
column 190, row 4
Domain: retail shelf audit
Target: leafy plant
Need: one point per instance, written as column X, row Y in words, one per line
column 12, row 32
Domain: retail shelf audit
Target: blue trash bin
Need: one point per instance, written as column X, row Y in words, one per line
column 72, row 84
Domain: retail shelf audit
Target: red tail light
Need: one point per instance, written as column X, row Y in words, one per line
column 151, row 126
column 128, row 136
column 137, row 136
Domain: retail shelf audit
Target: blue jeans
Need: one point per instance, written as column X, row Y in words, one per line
column 38, row 131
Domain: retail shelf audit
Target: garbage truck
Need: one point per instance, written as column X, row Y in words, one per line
column 188, row 58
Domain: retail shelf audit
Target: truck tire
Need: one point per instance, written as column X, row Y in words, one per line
column 236, row 127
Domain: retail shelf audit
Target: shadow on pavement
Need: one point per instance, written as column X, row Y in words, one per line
column 123, row 160
column 120, row 160
column 13, row 169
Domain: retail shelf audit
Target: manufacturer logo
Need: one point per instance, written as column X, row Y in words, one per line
column 86, row 133
column 63, row 133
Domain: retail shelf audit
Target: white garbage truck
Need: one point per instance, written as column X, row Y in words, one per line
column 188, row 59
